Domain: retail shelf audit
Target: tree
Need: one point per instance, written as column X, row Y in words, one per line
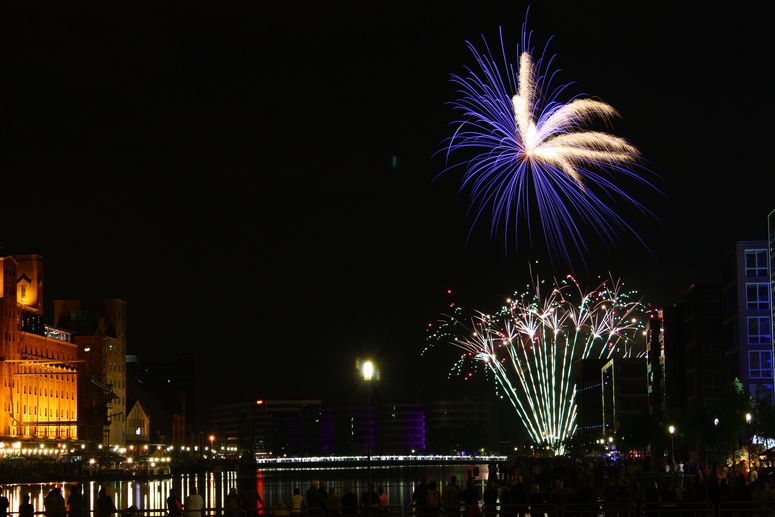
column 730, row 410
column 764, row 423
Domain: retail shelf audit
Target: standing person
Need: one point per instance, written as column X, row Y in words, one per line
column 452, row 496
column 432, row 500
column 297, row 501
column 471, row 499
column 105, row 505
column 54, row 503
column 25, row 508
column 4, row 505
column 635, row 497
column 418, row 496
column 536, row 473
column 232, row 503
column 174, row 508
column 314, row 499
column 251, row 499
column 332, row 502
column 490, row 498
column 492, row 471
column 370, row 500
column 75, row 503
column 194, row 504
column 383, row 500
column 519, row 496
column 558, row 497
column 584, row 498
column 535, row 496
column 504, row 500
column 349, row 502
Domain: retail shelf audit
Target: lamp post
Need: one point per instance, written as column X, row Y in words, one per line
column 672, row 445
column 748, row 419
column 212, row 439
column 368, row 372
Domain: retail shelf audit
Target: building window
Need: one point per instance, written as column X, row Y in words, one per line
column 755, row 262
column 711, row 383
column 759, row 330
column 757, row 296
column 760, row 364
column 762, row 392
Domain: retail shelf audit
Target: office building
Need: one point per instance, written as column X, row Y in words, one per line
column 452, row 422
column 625, row 392
column 99, row 327
column 747, row 327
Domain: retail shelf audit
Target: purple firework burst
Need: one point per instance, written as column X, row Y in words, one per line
column 532, row 151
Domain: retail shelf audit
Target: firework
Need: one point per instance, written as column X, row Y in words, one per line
column 533, row 149
column 532, row 343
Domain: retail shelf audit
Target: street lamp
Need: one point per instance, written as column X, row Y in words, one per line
column 212, row 439
column 368, row 372
column 672, row 444
column 748, row 419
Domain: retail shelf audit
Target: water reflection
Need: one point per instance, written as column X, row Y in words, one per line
column 273, row 485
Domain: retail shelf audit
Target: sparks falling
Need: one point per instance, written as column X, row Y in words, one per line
column 534, row 149
column 532, row 343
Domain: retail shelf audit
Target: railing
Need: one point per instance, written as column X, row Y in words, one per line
column 392, row 509
column 747, row 509
column 597, row 509
column 678, row 509
column 520, row 510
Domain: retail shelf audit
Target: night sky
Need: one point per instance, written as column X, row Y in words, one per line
column 229, row 173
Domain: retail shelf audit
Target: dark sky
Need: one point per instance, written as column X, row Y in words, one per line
column 227, row 171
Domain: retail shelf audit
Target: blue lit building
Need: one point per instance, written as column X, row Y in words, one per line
column 747, row 323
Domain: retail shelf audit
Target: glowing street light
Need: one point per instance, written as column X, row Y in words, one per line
column 672, row 443
column 368, row 372
column 748, row 419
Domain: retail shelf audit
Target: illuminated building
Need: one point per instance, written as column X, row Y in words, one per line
column 747, row 347
column 38, row 370
column 352, row 430
column 400, row 428
column 100, row 333
column 589, row 396
column 625, row 394
column 771, row 242
column 278, row 427
column 655, row 368
column 138, row 423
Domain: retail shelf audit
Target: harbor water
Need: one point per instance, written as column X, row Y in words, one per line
column 274, row 485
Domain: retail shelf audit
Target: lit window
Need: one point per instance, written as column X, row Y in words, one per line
column 755, row 262
column 757, row 296
column 759, row 330
column 760, row 364
column 762, row 392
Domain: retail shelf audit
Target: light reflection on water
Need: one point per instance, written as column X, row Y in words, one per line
column 273, row 485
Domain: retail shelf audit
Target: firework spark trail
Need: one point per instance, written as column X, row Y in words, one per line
column 533, row 148
column 532, row 343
